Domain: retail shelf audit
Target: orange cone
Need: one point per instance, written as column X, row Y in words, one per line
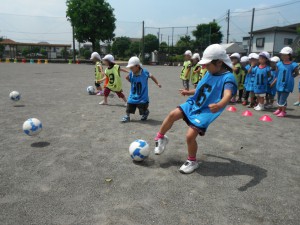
column 247, row 113
column 265, row 118
column 231, row 109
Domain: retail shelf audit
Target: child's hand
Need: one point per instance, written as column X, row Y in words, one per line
column 214, row 108
column 159, row 85
column 183, row 92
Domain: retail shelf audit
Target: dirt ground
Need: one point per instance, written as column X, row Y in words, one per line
column 78, row 170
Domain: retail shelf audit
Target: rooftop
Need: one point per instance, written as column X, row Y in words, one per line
column 42, row 44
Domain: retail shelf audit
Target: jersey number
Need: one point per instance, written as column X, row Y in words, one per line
column 111, row 78
column 137, row 88
column 202, row 96
column 284, row 76
column 260, row 78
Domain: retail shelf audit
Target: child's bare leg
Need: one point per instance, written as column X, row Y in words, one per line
column 191, row 136
column 173, row 116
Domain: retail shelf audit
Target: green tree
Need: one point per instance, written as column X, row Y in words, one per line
column 151, row 43
column 207, row 34
column 64, row 53
column 183, row 44
column 87, row 54
column 25, row 52
column 2, row 47
column 163, row 47
column 44, row 52
column 135, row 48
column 121, row 46
column 35, row 49
column 93, row 20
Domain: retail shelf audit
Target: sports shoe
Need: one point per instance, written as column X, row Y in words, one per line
column 233, row 100
column 125, row 119
column 297, row 103
column 259, row 107
column 100, row 93
column 277, row 112
column 269, row 106
column 189, row 167
column 244, row 103
column 160, row 145
column 145, row 116
column 281, row 114
column 103, row 103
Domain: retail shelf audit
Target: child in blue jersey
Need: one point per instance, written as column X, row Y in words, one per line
column 138, row 97
column 298, row 102
column 271, row 90
column 208, row 101
column 287, row 71
column 245, row 67
column 253, row 59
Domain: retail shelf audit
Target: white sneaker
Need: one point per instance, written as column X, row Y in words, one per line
column 255, row 107
column 160, row 145
column 259, row 107
column 189, row 167
column 103, row 103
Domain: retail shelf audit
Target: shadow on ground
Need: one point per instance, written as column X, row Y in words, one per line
column 41, row 144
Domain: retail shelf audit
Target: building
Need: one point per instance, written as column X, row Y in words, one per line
column 273, row 39
column 14, row 49
column 233, row 47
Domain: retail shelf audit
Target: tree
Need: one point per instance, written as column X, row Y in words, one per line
column 25, row 52
column 120, row 46
column 2, row 47
column 64, row 53
column 163, row 47
column 135, row 48
column 207, row 34
column 87, row 54
column 93, row 20
column 183, row 44
column 151, row 43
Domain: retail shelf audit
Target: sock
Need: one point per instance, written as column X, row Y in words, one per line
column 159, row 136
column 192, row 158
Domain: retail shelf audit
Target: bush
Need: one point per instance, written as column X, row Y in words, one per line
column 87, row 54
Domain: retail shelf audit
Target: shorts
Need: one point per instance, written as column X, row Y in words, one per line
column 131, row 108
column 186, row 84
column 119, row 93
column 282, row 98
column 260, row 95
column 97, row 84
column 201, row 131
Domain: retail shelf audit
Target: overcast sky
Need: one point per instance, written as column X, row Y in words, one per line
column 44, row 20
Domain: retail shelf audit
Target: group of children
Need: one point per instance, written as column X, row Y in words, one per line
column 217, row 78
column 260, row 77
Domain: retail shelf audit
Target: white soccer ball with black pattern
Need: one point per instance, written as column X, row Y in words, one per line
column 15, row 96
column 139, row 150
column 90, row 90
column 32, row 127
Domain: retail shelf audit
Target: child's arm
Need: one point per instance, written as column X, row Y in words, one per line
column 184, row 92
column 273, row 83
column 101, row 70
column 124, row 70
column 127, row 78
column 296, row 72
column 155, row 80
column 187, row 72
column 221, row 104
column 197, row 70
column 103, row 79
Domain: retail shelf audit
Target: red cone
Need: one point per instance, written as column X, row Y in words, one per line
column 247, row 113
column 231, row 109
column 265, row 118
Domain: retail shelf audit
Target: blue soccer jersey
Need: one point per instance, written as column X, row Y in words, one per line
column 139, row 87
column 250, row 80
column 247, row 67
column 261, row 80
column 285, row 79
column 209, row 90
column 272, row 90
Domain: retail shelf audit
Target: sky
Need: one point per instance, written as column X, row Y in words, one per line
column 35, row 21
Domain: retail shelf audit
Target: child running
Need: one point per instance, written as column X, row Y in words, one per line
column 99, row 74
column 213, row 93
column 196, row 69
column 245, row 67
column 271, row 90
column 113, row 79
column 287, row 71
column 186, row 70
column 253, row 59
column 238, row 74
column 138, row 97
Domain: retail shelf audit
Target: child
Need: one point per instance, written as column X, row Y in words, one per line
column 287, row 71
column 186, row 70
column 213, row 93
column 262, row 73
column 196, row 69
column 113, row 79
column 202, row 71
column 253, row 59
column 238, row 74
column 271, row 90
column 95, row 57
column 138, row 98
column 245, row 67
column 298, row 102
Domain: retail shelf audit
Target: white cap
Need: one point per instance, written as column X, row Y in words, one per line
column 265, row 54
column 253, row 56
column 235, row 55
column 244, row 59
column 188, row 52
column 275, row 59
column 214, row 52
column 95, row 55
column 134, row 61
column 109, row 58
column 286, row 51
column 196, row 56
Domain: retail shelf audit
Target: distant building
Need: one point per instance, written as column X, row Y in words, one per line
column 233, row 47
column 273, row 39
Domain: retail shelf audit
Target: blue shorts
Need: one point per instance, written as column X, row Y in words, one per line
column 282, row 98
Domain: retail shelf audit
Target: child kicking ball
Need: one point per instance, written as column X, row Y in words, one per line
column 138, row 97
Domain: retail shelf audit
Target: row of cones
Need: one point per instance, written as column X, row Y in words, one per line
column 264, row 118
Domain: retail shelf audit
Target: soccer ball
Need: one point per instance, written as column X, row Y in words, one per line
column 15, row 96
column 139, row 150
column 90, row 90
column 32, row 127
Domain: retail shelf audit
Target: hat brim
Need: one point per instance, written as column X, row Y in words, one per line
column 226, row 61
column 132, row 65
column 204, row 61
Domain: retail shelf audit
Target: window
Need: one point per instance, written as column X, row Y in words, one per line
column 260, row 42
column 288, row 41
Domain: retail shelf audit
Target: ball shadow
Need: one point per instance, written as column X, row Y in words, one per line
column 19, row 106
column 41, row 144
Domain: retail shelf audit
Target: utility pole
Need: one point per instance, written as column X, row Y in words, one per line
column 158, row 35
column 172, row 39
column 143, row 43
column 74, row 50
column 228, row 21
column 251, row 32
